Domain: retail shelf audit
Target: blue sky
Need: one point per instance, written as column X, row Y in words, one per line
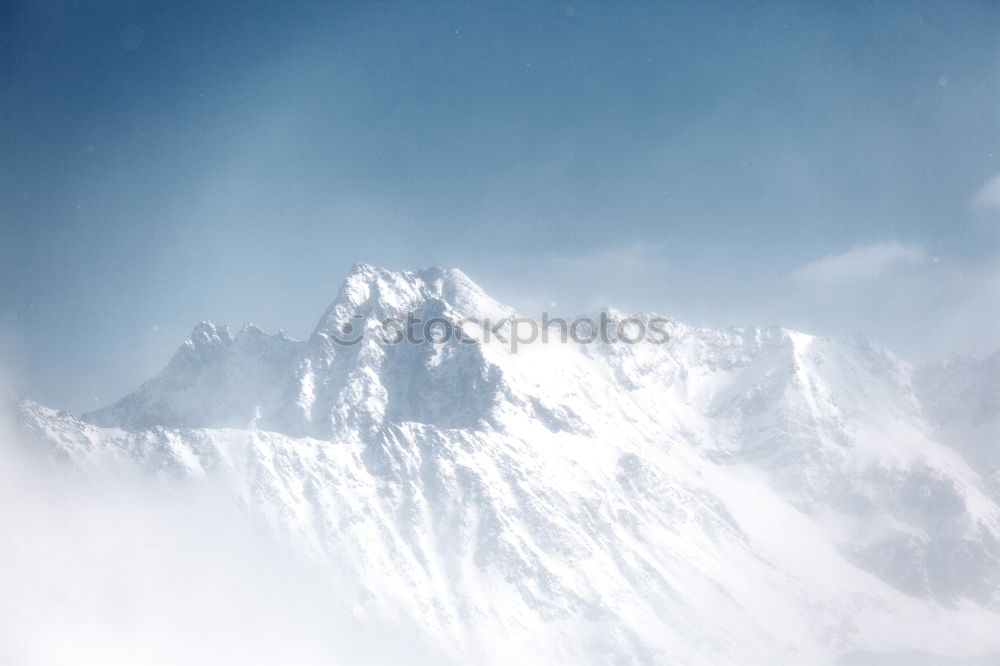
column 827, row 167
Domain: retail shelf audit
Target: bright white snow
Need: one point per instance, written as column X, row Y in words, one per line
column 738, row 496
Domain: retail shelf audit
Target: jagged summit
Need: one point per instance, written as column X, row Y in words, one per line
column 364, row 280
column 318, row 386
column 381, row 293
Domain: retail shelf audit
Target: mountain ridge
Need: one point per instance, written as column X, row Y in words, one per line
column 624, row 501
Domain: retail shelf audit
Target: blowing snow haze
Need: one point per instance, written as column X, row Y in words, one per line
column 803, row 198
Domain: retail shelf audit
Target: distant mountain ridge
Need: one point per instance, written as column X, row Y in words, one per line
column 742, row 496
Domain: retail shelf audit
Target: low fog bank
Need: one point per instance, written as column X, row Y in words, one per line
column 133, row 572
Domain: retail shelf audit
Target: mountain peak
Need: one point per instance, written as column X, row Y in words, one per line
column 208, row 333
column 362, row 278
column 373, row 292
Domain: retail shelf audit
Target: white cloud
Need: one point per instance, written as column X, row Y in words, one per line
column 987, row 198
column 861, row 263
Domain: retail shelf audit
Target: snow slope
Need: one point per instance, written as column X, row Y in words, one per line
column 738, row 496
column 962, row 396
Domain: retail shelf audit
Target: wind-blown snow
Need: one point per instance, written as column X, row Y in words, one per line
column 738, row 496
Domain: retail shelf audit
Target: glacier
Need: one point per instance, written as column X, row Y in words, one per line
column 736, row 496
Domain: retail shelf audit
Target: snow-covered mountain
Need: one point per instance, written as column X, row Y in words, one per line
column 738, row 496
